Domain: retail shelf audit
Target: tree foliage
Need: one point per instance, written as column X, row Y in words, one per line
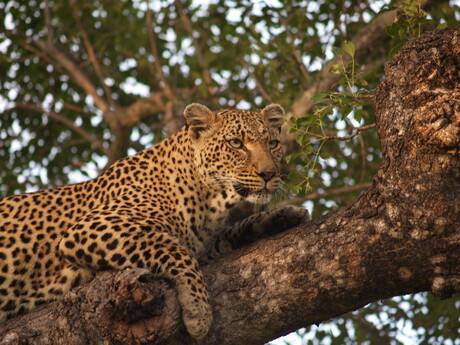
column 83, row 83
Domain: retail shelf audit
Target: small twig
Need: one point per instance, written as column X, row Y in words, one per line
column 295, row 52
column 259, row 86
column 49, row 27
column 365, row 97
column 136, row 145
column 79, row 164
column 62, row 119
column 370, row 35
column 327, row 194
column 348, row 137
column 5, row 142
column 73, row 107
column 199, row 54
column 80, row 78
column 42, row 55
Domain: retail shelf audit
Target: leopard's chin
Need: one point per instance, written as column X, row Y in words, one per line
column 260, row 197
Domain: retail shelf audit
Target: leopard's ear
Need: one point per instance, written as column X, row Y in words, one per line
column 198, row 119
column 274, row 115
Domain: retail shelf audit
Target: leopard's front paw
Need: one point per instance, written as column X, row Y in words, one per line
column 282, row 218
column 293, row 215
column 197, row 319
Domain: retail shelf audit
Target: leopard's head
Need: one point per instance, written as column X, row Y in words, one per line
column 237, row 149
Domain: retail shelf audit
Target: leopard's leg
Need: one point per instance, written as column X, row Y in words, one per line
column 129, row 244
column 257, row 226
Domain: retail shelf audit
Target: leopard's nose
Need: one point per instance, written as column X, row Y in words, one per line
column 267, row 175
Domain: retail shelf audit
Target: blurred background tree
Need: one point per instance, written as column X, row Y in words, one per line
column 84, row 83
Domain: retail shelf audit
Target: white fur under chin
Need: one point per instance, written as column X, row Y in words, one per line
column 259, row 198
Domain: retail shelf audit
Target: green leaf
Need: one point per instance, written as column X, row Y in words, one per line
column 307, row 149
column 336, row 69
column 292, row 157
column 295, row 176
column 395, row 49
column 402, row 33
column 325, row 155
column 349, row 48
column 337, row 51
column 301, row 139
column 296, row 188
column 293, row 130
column 392, row 30
column 362, row 82
column 320, row 96
column 345, row 110
column 442, row 26
column 358, row 114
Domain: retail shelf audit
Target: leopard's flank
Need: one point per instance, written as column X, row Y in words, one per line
column 163, row 209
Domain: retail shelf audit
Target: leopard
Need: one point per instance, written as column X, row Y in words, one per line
column 166, row 209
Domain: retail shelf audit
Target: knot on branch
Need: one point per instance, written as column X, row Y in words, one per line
column 426, row 64
column 438, row 123
column 423, row 79
column 137, row 303
column 126, row 307
column 134, row 297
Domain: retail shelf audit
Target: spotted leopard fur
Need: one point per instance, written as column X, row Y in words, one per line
column 163, row 209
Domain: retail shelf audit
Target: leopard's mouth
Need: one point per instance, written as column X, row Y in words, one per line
column 260, row 196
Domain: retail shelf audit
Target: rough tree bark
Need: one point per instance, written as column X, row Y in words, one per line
column 402, row 235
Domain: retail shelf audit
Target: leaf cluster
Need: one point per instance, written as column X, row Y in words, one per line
column 333, row 143
column 350, row 99
column 412, row 21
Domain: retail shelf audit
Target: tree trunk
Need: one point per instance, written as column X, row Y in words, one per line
column 401, row 236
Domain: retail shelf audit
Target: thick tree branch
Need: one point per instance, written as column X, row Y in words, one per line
column 122, row 119
column 119, row 119
column 137, row 111
column 400, row 236
column 171, row 120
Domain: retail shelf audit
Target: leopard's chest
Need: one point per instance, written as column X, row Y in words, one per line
column 208, row 222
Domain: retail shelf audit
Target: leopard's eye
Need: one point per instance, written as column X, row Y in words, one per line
column 274, row 144
column 235, row 143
